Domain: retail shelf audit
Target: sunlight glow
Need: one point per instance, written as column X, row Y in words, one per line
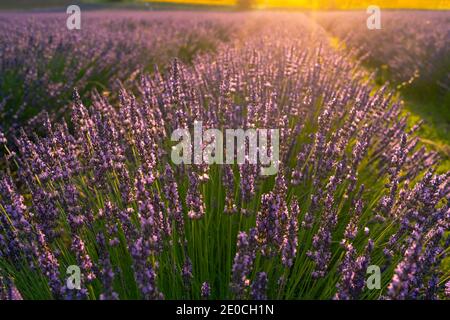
column 328, row 4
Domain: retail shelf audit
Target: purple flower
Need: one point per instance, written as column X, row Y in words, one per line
column 273, row 221
column 186, row 272
column 8, row 291
column 243, row 263
column 447, row 289
column 290, row 241
column 247, row 174
column 259, row 287
column 83, row 258
column 106, row 271
column 228, row 183
column 145, row 271
column 49, row 266
column 205, row 290
column 172, row 196
column 404, row 281
column 194, row 199
column 353, row 272
column 356, row 210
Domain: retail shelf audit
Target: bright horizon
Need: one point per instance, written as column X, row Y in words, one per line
column 329, row 4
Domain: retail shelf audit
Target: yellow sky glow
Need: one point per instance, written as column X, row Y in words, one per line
column 331, row 4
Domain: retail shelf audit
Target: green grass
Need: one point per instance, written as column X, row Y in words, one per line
column 33, row 4
column 435, row 132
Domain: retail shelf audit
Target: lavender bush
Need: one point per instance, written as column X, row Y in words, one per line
column 42, row 61
column 355, row 186
column 411, row 49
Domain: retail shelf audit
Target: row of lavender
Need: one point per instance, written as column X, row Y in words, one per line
column 355, row 187
column 412, row 48
column 42, row 61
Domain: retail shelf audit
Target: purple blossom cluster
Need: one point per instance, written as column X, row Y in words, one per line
column 205, row 290
column 243, row 263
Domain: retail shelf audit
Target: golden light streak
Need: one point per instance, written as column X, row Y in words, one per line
column 329, row 4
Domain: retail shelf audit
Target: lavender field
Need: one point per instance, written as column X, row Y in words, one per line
column 411, row 51
column 88, row 178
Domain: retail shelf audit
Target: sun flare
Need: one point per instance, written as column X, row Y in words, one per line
column 328, row 4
